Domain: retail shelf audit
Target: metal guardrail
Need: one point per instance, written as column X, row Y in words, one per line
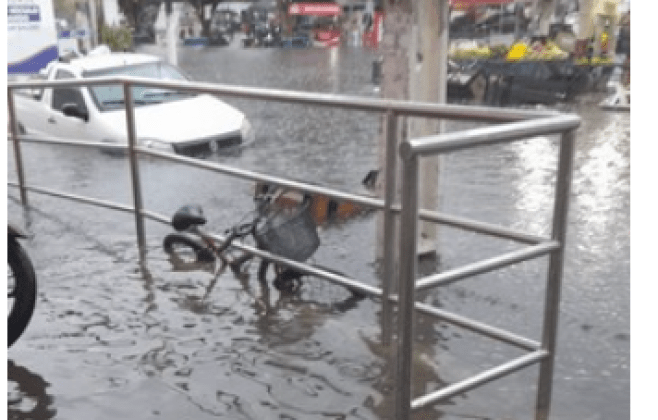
column 518, row 124
column 410, row 151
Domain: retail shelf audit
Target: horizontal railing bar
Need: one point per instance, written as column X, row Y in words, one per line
column 79, row 198
column 485, row 266
column 480, row 379
column 458, row 320
column 91, row 81
column 332, row 277
column 372, row 203
column 93, row 201
column 464, row 322
column 408, row 108
column 479, row 327
column 477, row 226
column 156, row 216
column 28, row 138
column 490, row 135
column 376, row 204
column 369, row 202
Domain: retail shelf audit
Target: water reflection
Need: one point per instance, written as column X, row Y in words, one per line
column 535, row 166
column 275, row 357
column 602, row 176
column 27, row 397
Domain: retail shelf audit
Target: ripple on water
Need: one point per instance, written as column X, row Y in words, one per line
column 360, row 370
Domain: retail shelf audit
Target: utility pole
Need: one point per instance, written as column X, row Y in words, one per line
column 415, row 64
column 586, row 26
column 395, row 47
column 429, row 84
column 93, row 23
column 546, row 9
column 172, row 32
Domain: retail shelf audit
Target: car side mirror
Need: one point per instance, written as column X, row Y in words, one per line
column 73, row 110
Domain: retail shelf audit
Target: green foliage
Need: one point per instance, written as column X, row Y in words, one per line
column 117, row 38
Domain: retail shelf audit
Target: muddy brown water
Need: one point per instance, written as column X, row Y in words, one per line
column 108, row 341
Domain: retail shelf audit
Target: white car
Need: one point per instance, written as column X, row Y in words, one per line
column 180, row 122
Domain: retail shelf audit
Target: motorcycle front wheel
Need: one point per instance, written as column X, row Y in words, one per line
column 22, row 291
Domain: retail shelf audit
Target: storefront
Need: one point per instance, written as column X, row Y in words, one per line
column 320, row 21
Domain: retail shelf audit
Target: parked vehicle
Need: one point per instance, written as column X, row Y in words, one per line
column 21, row 285
column 223, row 26
column 31, row 36
column 170, row 120
column 260, row 27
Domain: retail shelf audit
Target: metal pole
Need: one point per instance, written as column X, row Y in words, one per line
column 18, row 157
column 93, row 23
column 172, row 29
column 555, row 268
column 400, row 107
column 134, row 171
column 484, row 266
column 390, row 256
column 408, row 266
column 479, row 379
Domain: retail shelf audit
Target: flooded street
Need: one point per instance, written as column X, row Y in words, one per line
column 109, row 342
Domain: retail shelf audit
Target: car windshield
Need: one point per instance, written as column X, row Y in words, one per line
column 110, row 97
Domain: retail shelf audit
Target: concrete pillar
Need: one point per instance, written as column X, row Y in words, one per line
column 586, row 26
column 395, row 48
column 415, row 50
column 429, row 84
column 546, row 9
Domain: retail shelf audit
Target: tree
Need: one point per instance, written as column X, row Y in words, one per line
column 132, row 9
column 200, row 6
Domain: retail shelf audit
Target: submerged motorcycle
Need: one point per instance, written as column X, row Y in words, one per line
column 21, row 284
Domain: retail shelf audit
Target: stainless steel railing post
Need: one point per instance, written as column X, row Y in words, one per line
column 390, row 262
column 406, row 286
column 18, row 157
column 134, row 172
column 555, row 269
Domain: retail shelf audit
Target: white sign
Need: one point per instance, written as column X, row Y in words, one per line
column 31, row 35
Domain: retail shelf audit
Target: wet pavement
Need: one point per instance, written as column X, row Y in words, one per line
column 108, row 341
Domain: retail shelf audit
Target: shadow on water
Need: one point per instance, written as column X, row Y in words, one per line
column 27, row 396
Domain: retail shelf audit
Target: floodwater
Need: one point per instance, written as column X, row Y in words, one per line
column 108, row 341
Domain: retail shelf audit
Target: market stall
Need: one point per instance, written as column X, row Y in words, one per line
column 315, row 24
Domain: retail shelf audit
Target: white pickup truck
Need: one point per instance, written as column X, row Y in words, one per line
column 185, row 123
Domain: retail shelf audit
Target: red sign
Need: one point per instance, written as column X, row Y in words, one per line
column 315, row 9
column 328, row 38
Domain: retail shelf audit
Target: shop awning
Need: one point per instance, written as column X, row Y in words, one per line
column 315, row 9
